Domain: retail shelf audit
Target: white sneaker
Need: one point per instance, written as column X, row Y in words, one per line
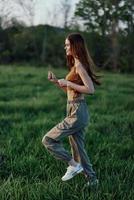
column 72, row 171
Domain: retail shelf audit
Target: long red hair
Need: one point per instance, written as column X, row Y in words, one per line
column 79, row 50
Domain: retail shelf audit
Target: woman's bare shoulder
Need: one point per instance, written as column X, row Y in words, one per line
column 79, row 68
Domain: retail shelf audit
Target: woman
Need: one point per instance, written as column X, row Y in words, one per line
column 78, row 82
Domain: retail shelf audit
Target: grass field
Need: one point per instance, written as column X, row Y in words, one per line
column 30, row 106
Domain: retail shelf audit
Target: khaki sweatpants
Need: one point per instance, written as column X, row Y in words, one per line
column 73, row 126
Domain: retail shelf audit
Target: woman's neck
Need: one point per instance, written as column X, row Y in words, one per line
column 76, row 61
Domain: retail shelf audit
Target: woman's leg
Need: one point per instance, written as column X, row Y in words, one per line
column 69, row 126
column 78, row 137
column 74, row 149
column 56, row 148
column 75, row 152
column 53, row 139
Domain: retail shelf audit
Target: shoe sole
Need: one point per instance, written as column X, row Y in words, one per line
column 74, row 174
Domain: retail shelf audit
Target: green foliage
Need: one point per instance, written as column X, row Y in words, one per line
column 23, row 46
column 126, row 53
column 44, row 45
column 30, row 106
column 111, row 20
column 98, row 15
column 5, row 56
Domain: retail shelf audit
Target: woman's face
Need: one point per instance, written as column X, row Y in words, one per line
column 68, row 47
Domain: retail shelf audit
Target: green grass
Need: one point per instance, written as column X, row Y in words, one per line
column 30, row 106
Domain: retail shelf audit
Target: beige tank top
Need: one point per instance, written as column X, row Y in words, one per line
column 75, row 78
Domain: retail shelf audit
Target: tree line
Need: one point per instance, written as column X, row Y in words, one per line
column 108, row 27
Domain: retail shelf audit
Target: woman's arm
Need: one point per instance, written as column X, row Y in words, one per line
column 52, row 78
column 64, row 88
column 88, row 86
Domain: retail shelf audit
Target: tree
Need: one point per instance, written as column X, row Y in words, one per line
column 65, row 8
column 106, row 17
column 93, row 13
column 127, row 15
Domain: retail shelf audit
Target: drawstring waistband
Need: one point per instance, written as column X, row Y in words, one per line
column 76, row 100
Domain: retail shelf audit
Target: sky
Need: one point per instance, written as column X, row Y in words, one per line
column 43, row 11
column 50, row 12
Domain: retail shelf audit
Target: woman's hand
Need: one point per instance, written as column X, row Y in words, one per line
column 62, row 82
column 52, row 77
